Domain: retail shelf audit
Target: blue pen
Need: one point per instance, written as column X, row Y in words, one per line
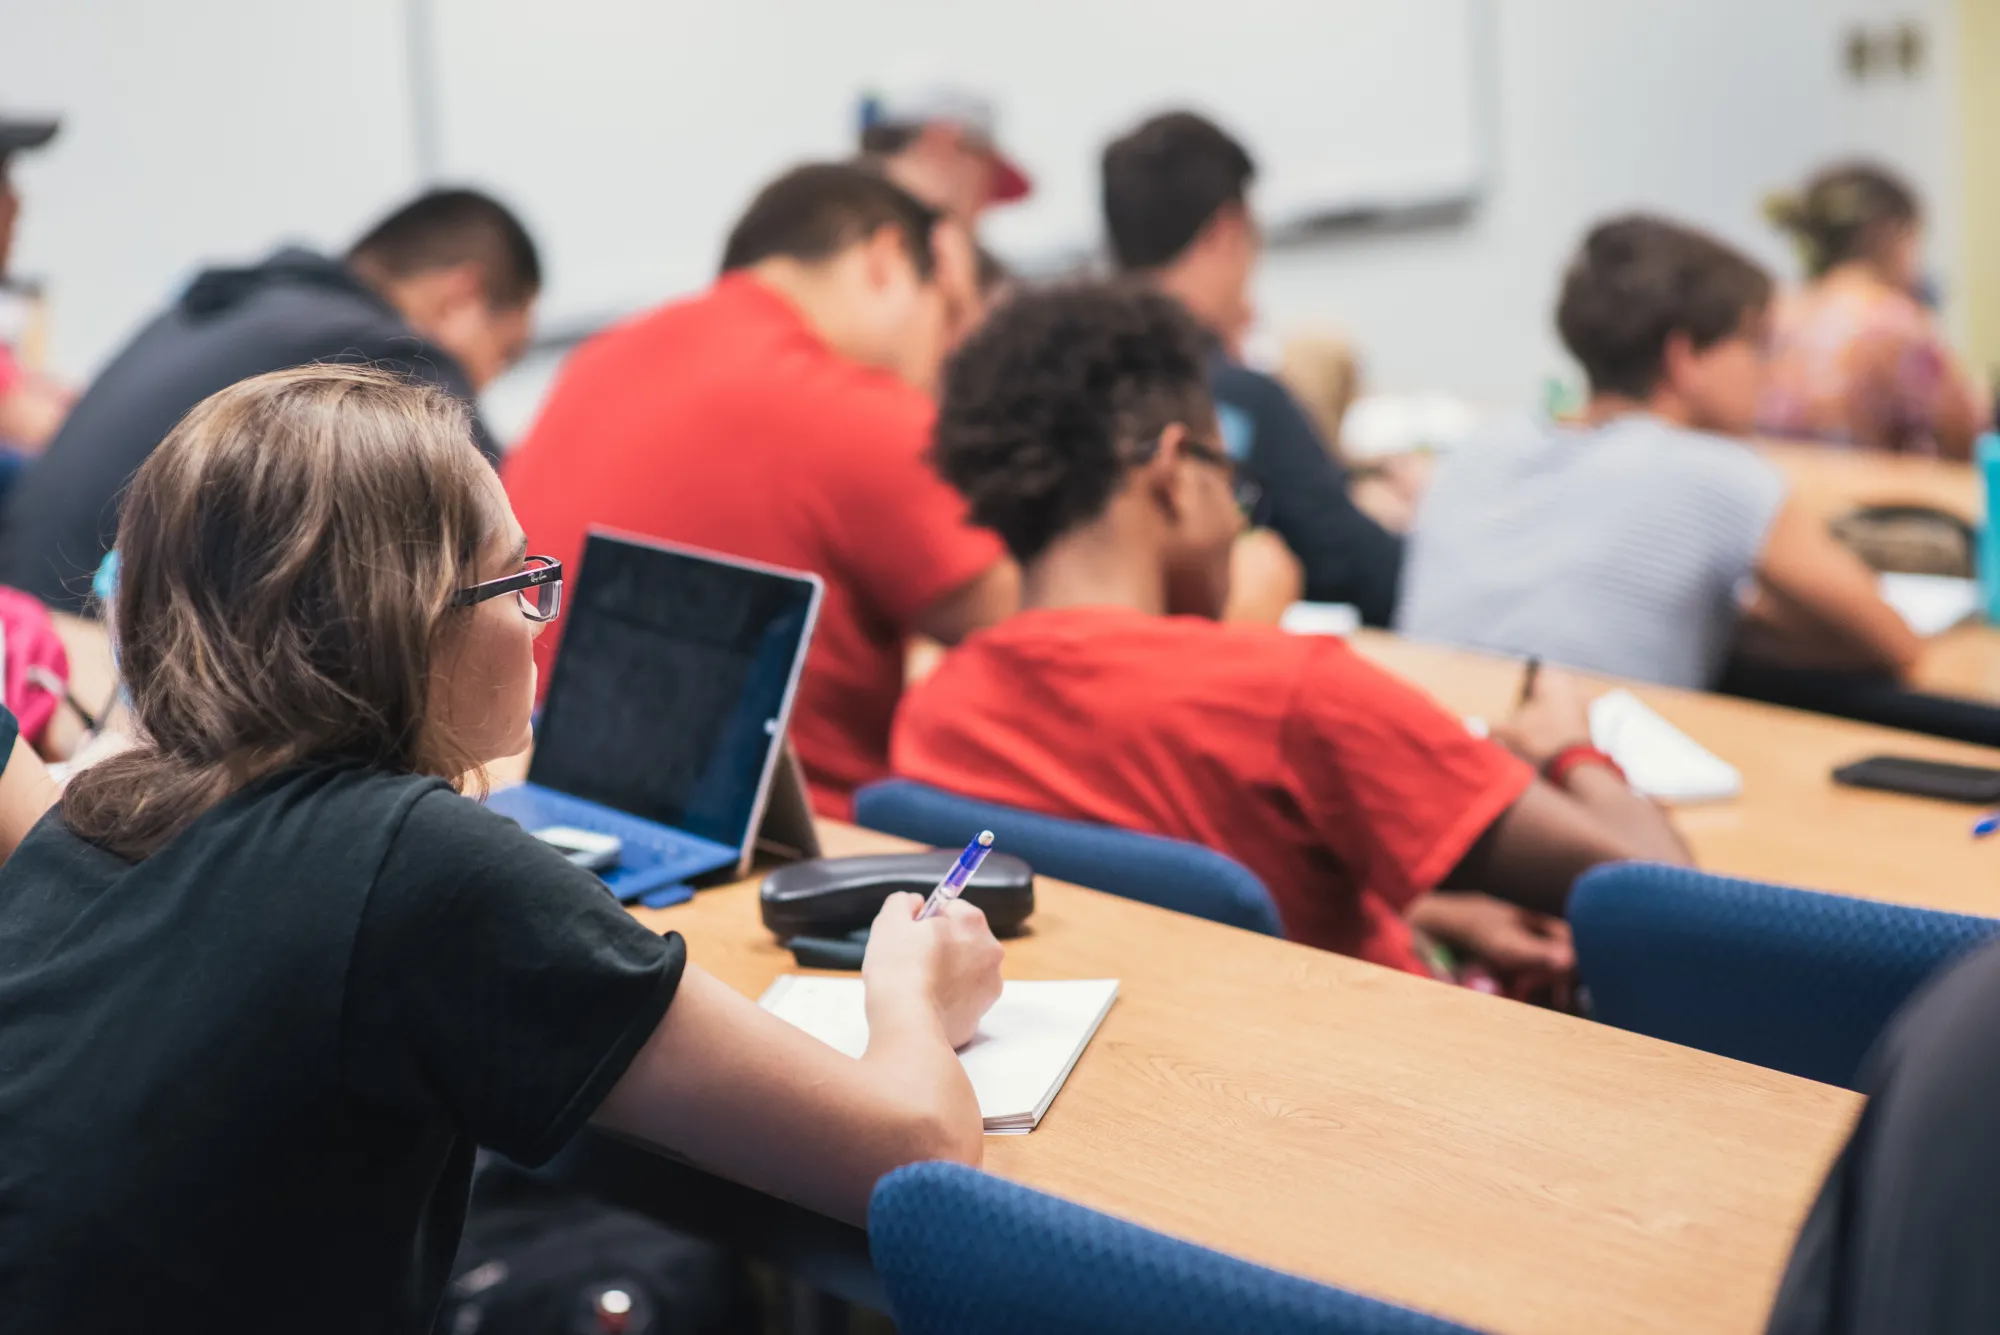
column 961, row 871
column 1986, row 825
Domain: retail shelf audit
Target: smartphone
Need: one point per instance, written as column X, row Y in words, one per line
column 1974, row 785
column 584, row 848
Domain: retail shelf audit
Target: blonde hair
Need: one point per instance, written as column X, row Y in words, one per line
column 288, row 557
column 1841, row 213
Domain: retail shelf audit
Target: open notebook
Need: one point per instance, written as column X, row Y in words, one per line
column 1931, row 604
column 1024, row 1050
column 1659, row 759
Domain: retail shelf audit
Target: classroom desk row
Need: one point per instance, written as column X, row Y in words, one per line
column 1964, row 662
column 1792, row 823
column 1508, row 1167
column 1834, row 481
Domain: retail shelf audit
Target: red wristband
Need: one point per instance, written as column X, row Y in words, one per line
column 1560, row 765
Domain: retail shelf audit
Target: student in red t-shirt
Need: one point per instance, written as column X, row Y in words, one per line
column 779, row 416
column 1078, row 424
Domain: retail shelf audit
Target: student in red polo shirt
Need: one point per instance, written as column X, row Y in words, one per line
column 1078, row 424
column 778, row 416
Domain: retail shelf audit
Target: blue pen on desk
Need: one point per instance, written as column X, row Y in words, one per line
column 1986, row 825
column 961, row 871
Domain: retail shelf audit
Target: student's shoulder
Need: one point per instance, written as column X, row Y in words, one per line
column 1704, row 459
column 1259, row 399
column 1233, row 382
column 1204, row 655
column 435, row 816
column 1182, row 648
column 339, row 795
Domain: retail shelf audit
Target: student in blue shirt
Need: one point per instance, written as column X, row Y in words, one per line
column 1177, row 214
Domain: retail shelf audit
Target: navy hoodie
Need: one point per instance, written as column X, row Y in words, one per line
column 296, row 307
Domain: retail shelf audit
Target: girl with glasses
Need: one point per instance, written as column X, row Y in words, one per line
column 269, row 979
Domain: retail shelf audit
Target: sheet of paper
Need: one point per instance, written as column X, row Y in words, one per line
column 1659, row 759
column 1931, row 604
column 1024, row 1050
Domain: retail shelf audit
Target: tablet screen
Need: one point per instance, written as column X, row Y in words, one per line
column 673, row 683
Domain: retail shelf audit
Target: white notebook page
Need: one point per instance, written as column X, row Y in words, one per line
column 1024, row 1050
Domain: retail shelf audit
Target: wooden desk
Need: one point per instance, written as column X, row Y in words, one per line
column 1508, row 1167
column 1836, row 481
column 1511, row 1168
column 1792, row 824
column 1964, row 662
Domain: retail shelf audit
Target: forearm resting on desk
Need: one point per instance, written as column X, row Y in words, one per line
column 1640, row 823
column 1534, row 852
column 744, row 1094
column 1817, row 605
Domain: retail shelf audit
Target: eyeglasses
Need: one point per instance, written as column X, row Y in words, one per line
column 1249, row 493
column 538, row 587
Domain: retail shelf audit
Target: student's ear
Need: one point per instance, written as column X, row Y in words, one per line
column 1168, row 475
column 883, row 255
column 1677, row 361
column 463, row 284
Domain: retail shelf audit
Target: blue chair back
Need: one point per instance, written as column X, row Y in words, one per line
column 961, row 1253
column 1791, row 979
column 1169, row 873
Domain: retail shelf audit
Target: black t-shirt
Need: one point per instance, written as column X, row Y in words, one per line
column 242, row 1080
column 1348, row 557
column 1905, row 1235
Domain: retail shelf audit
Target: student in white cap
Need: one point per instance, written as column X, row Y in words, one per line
column 939, row 143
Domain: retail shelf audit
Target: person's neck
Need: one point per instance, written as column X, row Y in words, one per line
column 814, row 291
column 1859, row 272
column 397, row 294
column 1095, row 566
column 1663, row 405
column 1187, row 282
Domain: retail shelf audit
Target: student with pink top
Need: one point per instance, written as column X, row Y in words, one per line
column 1857, row 360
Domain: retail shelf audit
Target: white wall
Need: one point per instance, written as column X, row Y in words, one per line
column 194, row 131
column 291, row 120
column 1695, row 108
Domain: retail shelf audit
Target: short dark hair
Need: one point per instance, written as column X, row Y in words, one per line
column 885, row 141
column 1164, row 181
column 1840, row 214
column 1635, row 282
column 816, row 211
column 1044, row 405
column 442, row 228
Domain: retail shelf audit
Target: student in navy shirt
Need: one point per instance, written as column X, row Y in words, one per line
column 1177, row 214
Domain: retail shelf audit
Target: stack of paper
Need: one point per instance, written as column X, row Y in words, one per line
column 1024, row 1050
column 1659, row 759
column 1931, row 604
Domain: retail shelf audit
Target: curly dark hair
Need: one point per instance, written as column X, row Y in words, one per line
column 1061, row 391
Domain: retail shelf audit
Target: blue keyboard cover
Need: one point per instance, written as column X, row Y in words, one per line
column 657, row 860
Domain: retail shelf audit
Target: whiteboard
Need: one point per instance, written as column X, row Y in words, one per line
column 632, row 132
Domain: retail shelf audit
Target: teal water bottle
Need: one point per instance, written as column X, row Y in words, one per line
column 1987, row 455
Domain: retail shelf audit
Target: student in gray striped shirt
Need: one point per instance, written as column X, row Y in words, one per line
column 1645, row 540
